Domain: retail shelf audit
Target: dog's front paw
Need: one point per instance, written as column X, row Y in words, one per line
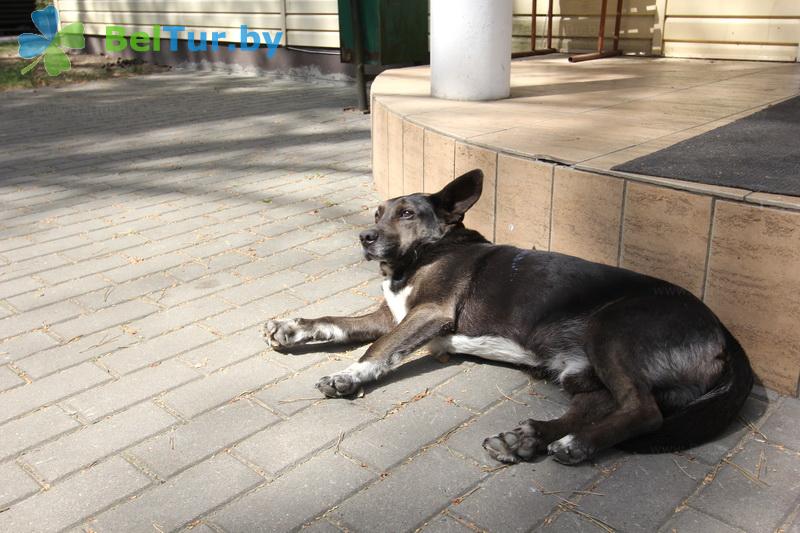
column 519, row 444
column 338, row 385
column 283, row 333
column 570, row 450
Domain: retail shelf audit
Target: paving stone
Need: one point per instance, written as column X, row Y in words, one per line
column 83, row 349
column 765, row 504
column 445, row 524
column 28, row 431
column 20, row 323
column 111, row 294
column 517, row 498
column 183, row 498
column 49, row 295
column 58, row 508
column 397, row 436
column 157, row 349
column 15, row 484
column 132, row 389
column 199, row 269
column 96, row 441
column 103, row 319
column 409, row 380
column 345, row 303
column 298, row 392
column 24, row 345
column 256, row 312
column 657, row 483
column 317, row 289
column 202, row 437
column 503, row 417
column 285, row 503
column 9, row 379
column 252, row 290
column 483, row 385
column 782, row 426
column 226, row 351
column 292, row 440
column 179, row 316
column 408, row 497
column 693, row 520
column 262, row 266
column 184, row 292
column 47, row 390
column 75, row 271
column 223, row 385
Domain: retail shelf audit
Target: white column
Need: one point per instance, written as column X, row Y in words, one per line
column 471, row 49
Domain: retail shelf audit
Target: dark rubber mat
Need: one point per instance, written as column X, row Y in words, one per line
column 760, row 152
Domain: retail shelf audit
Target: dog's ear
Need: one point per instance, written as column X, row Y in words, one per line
column 458, row 196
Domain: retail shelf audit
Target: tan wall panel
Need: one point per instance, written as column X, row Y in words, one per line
column 313, row 22
column 639, row 27
column 205, row 20
column 412, row 157
column 732, row 30
column 587, row 214
column 583, row 7
column 524, row 191
column 174, row 6
column 439, row 161
column 380, row 149
column 754, row 288
column 734, row 8
column 231, row 34
column 481, row 216
column 312, row 6
column 753, row 52
column 628, row 46
column 395, row 155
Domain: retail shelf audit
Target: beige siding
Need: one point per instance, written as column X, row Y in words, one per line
column 576, row 24
column 308, row 22
column 726, row 29
column 767, row 30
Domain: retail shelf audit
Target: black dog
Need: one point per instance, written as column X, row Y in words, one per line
column 648, row 365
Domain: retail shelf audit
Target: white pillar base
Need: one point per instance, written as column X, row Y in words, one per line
column 471, row 49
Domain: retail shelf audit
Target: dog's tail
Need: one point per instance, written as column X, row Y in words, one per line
column 707, row 416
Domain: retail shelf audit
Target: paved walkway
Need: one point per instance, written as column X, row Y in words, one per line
column 150, row 225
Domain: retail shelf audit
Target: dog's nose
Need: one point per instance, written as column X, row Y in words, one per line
column 368, row 237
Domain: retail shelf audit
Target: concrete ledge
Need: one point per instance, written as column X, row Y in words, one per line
column 737, row 250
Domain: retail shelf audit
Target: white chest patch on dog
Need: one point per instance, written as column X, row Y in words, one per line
column 397, row 301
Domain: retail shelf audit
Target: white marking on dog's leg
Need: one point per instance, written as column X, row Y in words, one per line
column 397, row 301
column 365, row 371
column 564, row 441
column 491, row 347
column 328, row 332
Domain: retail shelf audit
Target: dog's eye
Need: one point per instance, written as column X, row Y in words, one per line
column 377, row 216
column 406, row 213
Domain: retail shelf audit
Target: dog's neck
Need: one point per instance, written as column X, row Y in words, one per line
column 401, row 270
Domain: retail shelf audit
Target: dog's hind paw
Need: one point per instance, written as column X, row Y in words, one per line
column 519, row 444
column 569, row 450
column 338, row 385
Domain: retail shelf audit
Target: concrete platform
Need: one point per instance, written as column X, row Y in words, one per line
column 548, row 153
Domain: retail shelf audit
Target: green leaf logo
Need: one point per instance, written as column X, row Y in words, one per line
column 49, row 46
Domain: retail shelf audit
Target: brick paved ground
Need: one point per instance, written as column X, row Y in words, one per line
column 148, row 227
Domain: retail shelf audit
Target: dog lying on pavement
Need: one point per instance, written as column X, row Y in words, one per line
column 649, row 367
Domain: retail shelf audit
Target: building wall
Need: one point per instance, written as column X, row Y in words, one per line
column 312, row 23
column 727, row 29
column 733, row 29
